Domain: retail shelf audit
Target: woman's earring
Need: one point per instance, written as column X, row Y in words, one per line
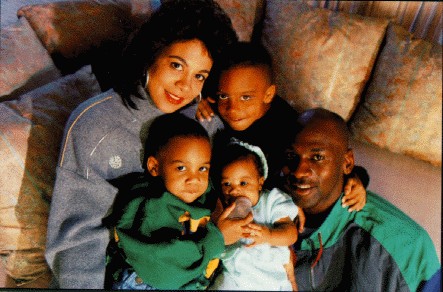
column 147, row 79
column 199, row 97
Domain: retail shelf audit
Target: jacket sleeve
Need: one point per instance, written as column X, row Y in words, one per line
column 76, row 239
column 170, row 264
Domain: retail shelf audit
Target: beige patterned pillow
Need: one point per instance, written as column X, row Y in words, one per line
column 321, row 57
column 31, row 130
column 244, row 15
column 402, row 109
column 24, row 63
column 73, row 28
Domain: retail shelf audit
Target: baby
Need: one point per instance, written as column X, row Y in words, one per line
column 260, row 261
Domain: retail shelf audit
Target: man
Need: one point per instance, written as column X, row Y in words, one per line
column 377, row 249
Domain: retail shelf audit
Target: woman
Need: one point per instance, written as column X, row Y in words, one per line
column 163, row 69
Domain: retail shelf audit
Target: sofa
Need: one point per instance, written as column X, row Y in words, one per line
column 385, row 83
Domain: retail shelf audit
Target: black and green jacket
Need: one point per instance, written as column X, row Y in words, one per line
column 377, row 249
column 169, row 244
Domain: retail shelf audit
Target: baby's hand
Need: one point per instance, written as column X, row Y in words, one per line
column 300, row 220
column 259, row 233
column 204, row 110
column 355, row 194
column 232, row 229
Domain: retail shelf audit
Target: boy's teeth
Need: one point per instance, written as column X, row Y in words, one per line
column 303, row 186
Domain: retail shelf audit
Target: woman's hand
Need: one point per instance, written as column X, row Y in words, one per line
column 204, row 110
column 355, row 194
column 232, row 229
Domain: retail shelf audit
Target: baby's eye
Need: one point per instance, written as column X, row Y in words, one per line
column 243, row 183
column 246, row 97
column 176, row 66
column 226, row 184
column 222, row 96
column 318, row 157
column 181, row 168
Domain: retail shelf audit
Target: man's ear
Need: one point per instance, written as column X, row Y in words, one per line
column 348, row 164
column 270, row 93
column 152, row 165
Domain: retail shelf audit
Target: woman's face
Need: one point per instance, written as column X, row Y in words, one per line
column 178, row 74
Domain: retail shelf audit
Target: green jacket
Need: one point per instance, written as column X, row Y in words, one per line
column 377, row 249
column 170, row 244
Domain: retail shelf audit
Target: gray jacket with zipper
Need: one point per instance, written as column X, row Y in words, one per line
column 103, row 140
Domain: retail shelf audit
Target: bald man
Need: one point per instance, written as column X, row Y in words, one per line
column 377, row 249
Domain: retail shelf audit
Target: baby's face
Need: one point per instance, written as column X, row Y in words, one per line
column 244, row 95
column 183, row 164
column 241, row 178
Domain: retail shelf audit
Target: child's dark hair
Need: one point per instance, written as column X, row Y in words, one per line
column 175, row 21
column 241, row 54
column 169, row 126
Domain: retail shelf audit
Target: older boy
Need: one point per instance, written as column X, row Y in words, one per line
column 245, row 94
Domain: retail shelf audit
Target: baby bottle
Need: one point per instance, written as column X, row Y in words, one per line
column 242, row 208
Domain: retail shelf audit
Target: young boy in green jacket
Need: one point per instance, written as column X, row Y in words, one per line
column 163, row 231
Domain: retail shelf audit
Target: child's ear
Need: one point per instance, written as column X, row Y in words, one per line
column 270, row 93
column 261, row 181
column 348, row 164
column 152, row 165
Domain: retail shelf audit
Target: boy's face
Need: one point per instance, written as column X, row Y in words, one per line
column 183, row 164
column 241, row 178
column 244, row 95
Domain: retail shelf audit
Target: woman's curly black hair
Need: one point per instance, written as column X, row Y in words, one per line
column 174, row 21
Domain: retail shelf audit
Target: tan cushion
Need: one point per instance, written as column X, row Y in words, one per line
column 31, row 130
column 244, row 15
column 23, row 57
column 321, row 57
column 402, row 110
column 72, row 28
column 412, row 185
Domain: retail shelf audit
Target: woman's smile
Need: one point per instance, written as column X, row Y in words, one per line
column 178, row 75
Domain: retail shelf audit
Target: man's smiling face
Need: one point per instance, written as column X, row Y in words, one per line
column 315, row 166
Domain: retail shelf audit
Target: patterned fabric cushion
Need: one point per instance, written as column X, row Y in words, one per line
column 402, row 109
column 244, row 15
column 321, row 57
column 71, row 28
column 31, row 130
column 24, row 62
column 82, row 32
